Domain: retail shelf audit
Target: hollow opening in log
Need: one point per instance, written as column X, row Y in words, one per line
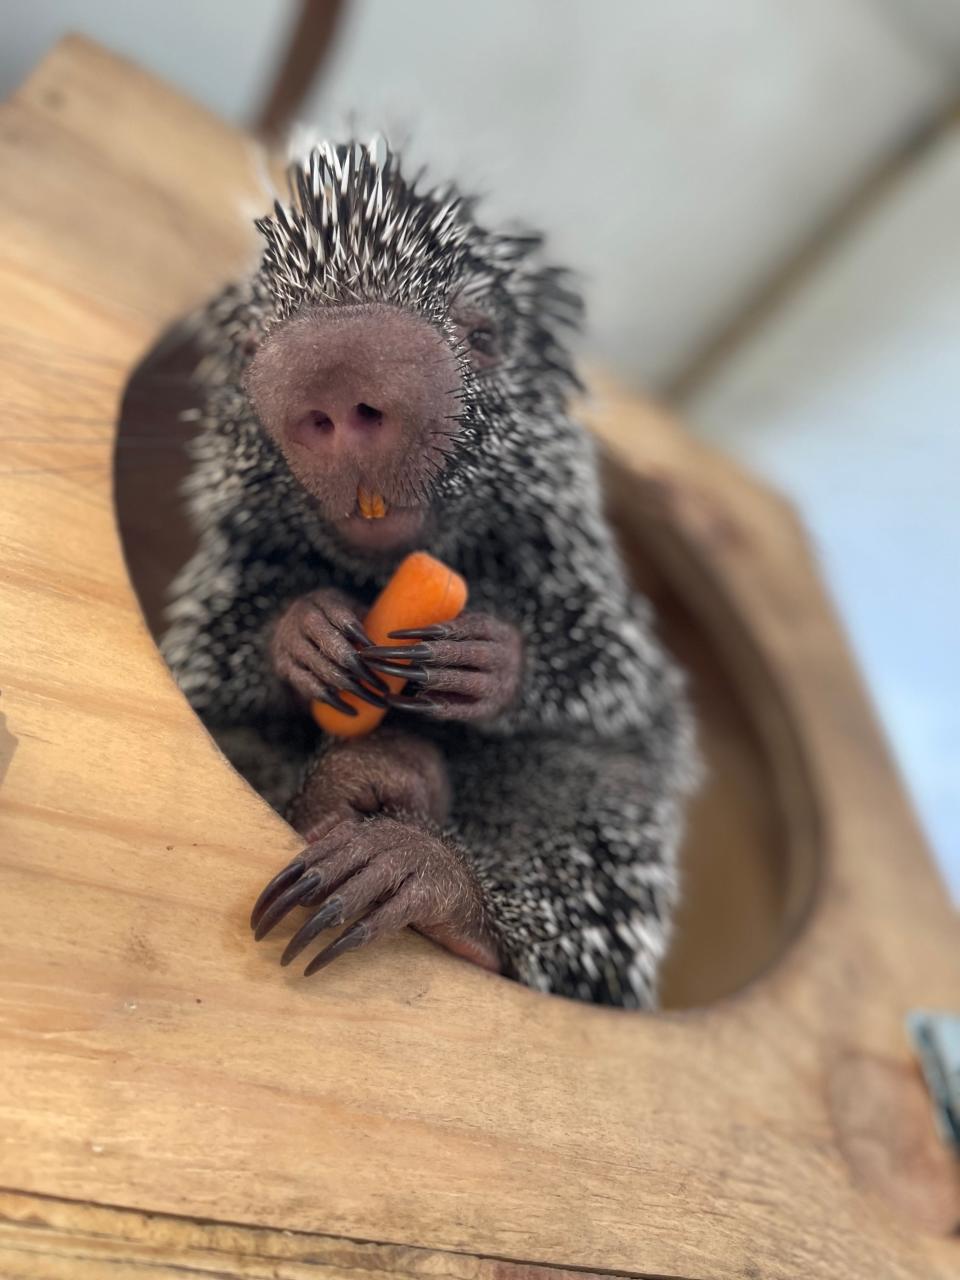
column 750, row 857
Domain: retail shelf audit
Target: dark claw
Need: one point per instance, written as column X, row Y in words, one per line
column 375, row 699
column 329, row 914
column 362, row 672
column 354, row 937
column 333, row 699
column 397, row 651
column 417, row 674
column 438, row 631
column 282, row 880
column 297, row 893
column 400, row 703
column 353, row 631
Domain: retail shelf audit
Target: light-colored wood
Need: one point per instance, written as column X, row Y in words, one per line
column 43, row 1238
column 150, row 1057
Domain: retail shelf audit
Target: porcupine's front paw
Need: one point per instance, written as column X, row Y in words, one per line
column 468, row 669
column 312, row 650
column 383, row 874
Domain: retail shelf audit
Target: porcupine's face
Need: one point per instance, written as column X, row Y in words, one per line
column 394, row 350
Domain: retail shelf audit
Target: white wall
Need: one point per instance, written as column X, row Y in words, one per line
column 850, row 401
column 222, row 52
column 675, row 149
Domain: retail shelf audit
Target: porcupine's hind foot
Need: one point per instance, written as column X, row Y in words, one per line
column 383, row 874
column 370, row 810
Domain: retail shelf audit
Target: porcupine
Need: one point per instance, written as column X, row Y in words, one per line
column 522, row 803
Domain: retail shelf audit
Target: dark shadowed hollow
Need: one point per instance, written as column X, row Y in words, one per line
column 750, row 857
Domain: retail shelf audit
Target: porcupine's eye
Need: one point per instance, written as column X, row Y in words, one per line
column 482, row 337
column 483, row 340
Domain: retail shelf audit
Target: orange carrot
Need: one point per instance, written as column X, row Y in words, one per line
column 421, row 592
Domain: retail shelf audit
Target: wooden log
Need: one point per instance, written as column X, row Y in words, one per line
column 152, row 1060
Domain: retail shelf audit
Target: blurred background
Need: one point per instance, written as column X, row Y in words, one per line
column 763, row 200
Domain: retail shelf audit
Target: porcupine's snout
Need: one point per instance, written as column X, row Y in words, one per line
column 363, row 401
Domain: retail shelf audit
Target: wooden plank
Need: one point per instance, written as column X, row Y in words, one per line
column 151, row 1058
column 43, row 1238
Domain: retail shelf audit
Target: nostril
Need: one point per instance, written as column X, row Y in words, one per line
column 320, row 421
column 367, row 415
column 312, row 429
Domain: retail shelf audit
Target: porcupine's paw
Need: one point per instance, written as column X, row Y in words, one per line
column 382, row 874
column 467, row 670
column 313, row 649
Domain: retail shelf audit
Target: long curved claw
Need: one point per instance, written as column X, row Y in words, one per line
column 333, row 699
column 361, row 671
column 330, row 913
column 414, row 672
column 286, row 902
column 392, row 651
column 385, row 915
column 367, row 695
column 349, row 941
column 438, row 631
column 353, row 631
column 281, row 881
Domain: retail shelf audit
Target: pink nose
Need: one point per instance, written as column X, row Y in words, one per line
column 356, row 382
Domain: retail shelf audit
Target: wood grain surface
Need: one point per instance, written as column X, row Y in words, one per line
column 44, row 1238
column 152, row 1060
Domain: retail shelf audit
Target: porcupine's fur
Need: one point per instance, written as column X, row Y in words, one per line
column 568, row 807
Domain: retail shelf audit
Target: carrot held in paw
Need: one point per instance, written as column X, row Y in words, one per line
column 422, row 591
